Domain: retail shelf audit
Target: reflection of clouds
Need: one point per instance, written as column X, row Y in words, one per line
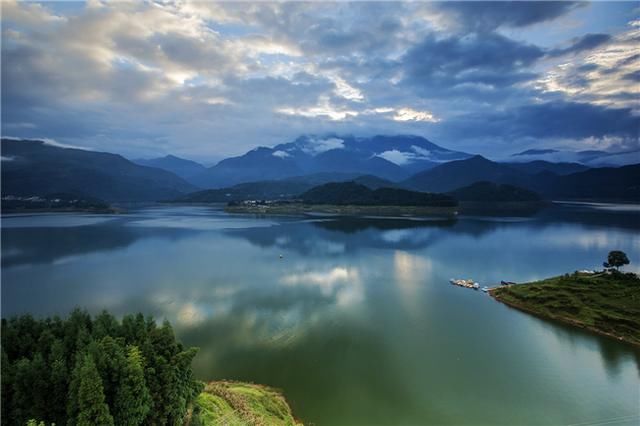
column 190, row 314
column 343, row 282
column 414, row 237
column 410, row 272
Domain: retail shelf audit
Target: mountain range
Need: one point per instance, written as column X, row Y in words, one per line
column 389, row 157
column 35, row 167
column 39, row 168
column 186, row 169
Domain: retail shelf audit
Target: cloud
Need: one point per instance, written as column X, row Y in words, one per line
column 580, row 44
column 281, row 154
column 480, row 62
column 601, row 75
column 409, row 114
column 557, row 123
column 405, row 157
column 490, row 15
column 210, row 80
column 315, row 146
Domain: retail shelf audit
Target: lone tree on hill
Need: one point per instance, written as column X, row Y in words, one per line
column 616, row 259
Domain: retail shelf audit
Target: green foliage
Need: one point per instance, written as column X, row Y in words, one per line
column 617, row 259
column 85, row 370
column 92, row 410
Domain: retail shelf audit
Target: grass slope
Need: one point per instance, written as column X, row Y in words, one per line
column 602, row 303
column 236, row 403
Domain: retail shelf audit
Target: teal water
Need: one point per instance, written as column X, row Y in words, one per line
column 356, row 323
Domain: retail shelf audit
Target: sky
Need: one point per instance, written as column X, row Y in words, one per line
column 207, row 80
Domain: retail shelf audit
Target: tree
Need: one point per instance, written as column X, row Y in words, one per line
column 617, row 258
column 133, row 401
column 91, row 405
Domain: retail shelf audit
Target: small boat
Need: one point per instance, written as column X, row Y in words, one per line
column 485, row 289
column 465, row 283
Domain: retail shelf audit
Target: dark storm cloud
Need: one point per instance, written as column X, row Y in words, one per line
column 586, row 42
column 487, row 16
column 559, row 119
column 436, row 65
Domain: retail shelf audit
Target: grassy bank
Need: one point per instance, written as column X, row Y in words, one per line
column 607, row 304
column 236, row 403
column 347, row 210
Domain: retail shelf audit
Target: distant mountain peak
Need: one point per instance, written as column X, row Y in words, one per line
column 392, row 157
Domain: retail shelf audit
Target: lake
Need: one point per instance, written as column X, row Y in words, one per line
column 353, row 318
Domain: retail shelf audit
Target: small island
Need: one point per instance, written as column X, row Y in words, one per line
column 352, row 198
column 605, row 302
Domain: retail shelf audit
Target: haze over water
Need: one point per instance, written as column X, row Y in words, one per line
column 356, row 323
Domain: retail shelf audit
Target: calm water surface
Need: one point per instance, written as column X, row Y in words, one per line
column 357, row 323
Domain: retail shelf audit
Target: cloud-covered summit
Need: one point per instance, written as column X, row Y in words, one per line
column 210, row 80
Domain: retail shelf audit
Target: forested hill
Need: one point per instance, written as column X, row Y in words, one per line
column 351, row 193
column 95, row 371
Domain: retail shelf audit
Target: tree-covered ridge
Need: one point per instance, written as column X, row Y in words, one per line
column 88, row 371
column 352, row 193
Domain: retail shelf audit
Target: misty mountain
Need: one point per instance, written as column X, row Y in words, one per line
column 176, row 165
column 33, row 167
column 607, row 183
column 456, row 174
column 388, row 157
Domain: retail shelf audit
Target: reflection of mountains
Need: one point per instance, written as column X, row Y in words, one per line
column 349, row 234
column 344, row 235
column 49, row 244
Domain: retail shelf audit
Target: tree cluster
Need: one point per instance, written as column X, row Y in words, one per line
column 94, row 371
column 616, row 259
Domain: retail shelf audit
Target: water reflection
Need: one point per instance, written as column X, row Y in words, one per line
column 356, row 321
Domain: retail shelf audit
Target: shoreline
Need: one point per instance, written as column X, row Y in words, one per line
column 344, row 210
column 523, row 307
column 562, row 320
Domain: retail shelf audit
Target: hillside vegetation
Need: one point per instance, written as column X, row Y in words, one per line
column 351, row 193
column 604, row 303
column 236, row 403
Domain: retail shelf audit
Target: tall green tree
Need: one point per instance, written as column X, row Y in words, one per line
column 92, row 410
column 133, row 400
